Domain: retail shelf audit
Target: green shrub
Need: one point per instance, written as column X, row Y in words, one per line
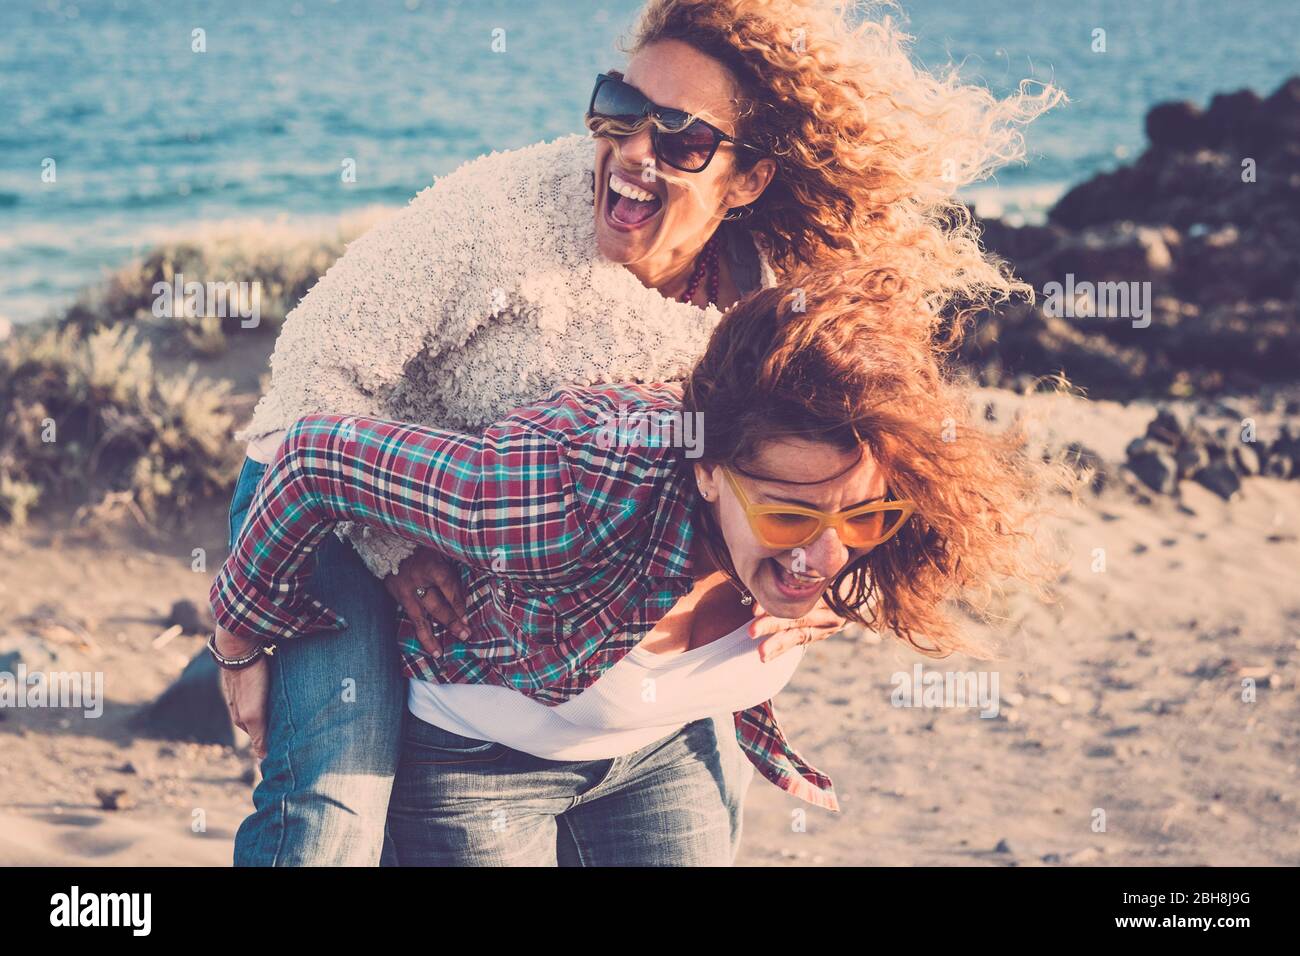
column 87, row 415
column 283, row 261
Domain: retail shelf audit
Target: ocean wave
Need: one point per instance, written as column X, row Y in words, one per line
column 41, row 274
column 1018, row 205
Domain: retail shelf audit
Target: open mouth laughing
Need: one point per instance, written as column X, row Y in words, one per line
column 794, row 586
column 629, row 205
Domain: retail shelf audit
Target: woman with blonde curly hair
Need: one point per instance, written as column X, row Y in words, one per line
column 609, row 615
column 741, row 141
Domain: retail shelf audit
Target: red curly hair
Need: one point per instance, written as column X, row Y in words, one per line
column 836, row 355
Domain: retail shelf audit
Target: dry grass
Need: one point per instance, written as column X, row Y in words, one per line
column 87, row 417
column 281, row 261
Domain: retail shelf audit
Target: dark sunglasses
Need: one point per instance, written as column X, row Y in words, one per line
column 684, row 143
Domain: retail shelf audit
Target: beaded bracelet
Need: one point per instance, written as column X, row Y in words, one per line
column 237, row 663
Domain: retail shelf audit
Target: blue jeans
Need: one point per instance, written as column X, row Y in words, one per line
column 336, row 710
column 334, row 721
column 465, row 802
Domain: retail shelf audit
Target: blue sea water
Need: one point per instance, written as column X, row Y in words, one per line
column 151, row 138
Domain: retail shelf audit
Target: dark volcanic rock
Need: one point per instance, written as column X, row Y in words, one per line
column 1191, row 459
column 1288, row 442
column 1176, row 445
column 1279, row 466
column 1281, row 113
column 1157, row 469
column 1169, row 427
column 1176, row 125
column 1220, row 479
column 1085, row 461
column 1283, row 459
column 1194, row 176
column 1117, row 251
column 1244, row 458
column 192, row 708
column 191, row 620
column 1202, row 229
column 1232, row 119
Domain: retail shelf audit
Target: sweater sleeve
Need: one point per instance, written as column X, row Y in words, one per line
column 382, row 552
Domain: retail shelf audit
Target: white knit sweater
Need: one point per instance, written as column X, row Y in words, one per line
column 485, row 293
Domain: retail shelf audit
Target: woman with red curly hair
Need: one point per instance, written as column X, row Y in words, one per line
column 612, row 569
column 741, row 141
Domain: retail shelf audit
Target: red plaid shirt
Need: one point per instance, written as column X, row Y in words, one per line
column 574, row 544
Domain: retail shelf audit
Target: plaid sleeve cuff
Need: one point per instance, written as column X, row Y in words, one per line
column 245, row 608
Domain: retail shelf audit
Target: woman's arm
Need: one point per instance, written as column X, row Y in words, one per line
column 411, row 288
column 503, row 500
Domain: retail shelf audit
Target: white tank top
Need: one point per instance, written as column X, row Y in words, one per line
column 642, row 698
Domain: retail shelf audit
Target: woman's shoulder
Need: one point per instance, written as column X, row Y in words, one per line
column 616, row 450
column 527, row 173
column 502, row 201
column 577, row 415
column 625, row 432
column 766, row 272
column 506, row 203
column 621, row 447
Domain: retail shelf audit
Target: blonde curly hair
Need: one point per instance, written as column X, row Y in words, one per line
column 870, row 148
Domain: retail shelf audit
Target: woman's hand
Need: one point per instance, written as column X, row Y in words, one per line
column 245, row 690
column 778, row 635
column 442, row 600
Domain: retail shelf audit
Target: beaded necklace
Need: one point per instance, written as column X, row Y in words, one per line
column 705, row 262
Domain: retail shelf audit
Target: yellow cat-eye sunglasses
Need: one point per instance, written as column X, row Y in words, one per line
column 792, row 526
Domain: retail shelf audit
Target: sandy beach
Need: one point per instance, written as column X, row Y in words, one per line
column 1124, row 697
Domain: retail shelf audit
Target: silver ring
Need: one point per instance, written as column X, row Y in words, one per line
column 421, row 592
